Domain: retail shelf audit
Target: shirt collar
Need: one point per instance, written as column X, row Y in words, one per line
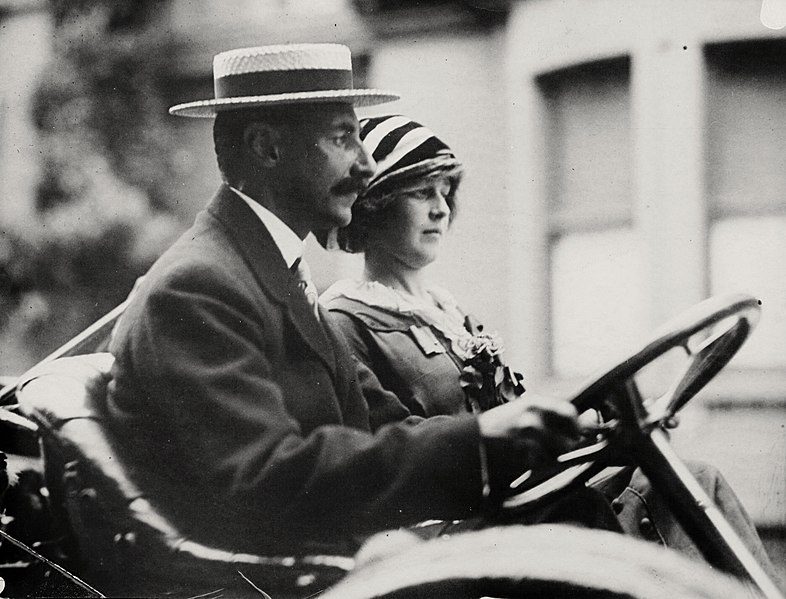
column 287, row 241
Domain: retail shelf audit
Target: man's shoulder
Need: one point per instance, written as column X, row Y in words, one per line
column 207, row 249
column 201, row 267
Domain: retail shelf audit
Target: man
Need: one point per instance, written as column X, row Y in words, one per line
column 255, row 417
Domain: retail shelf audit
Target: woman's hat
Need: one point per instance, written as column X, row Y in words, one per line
column 285, row 74
column 402, row 149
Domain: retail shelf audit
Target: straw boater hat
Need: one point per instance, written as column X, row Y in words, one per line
column 286, row 74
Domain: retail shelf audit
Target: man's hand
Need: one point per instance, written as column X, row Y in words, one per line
column 544, row 426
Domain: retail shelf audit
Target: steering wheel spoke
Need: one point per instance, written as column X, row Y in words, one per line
column 707, row 361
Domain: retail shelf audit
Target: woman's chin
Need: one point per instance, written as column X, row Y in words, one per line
column 425, row 259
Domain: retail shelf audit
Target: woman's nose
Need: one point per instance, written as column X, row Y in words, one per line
column 439, row 206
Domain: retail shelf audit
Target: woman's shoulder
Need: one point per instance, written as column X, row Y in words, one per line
column 353, row 292
column 369, row 302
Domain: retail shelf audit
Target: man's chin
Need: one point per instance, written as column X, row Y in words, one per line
column 338, row 212
column 337, row 221
column 343, row 214
column 326, row 233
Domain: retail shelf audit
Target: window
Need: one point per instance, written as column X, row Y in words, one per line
column 746, row 185
column 595, row 270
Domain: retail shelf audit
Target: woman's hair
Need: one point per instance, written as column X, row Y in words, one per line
column 406, row 153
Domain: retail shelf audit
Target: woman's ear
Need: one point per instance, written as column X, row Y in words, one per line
column 263, row 142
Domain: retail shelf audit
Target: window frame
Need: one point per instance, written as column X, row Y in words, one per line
column 735, row 387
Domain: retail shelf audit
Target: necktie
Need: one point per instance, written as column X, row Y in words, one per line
column 306, row 285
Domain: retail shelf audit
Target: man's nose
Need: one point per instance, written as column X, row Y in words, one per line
column 364, row 166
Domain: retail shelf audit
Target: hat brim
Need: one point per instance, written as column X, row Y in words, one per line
column 356, row 97
column 425, row 167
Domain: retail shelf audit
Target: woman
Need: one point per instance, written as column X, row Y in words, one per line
column 411, row 333
column 423, row 347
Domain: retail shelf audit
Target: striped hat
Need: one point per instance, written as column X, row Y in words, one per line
column 402, row 148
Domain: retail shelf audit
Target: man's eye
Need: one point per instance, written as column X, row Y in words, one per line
column 341, row 140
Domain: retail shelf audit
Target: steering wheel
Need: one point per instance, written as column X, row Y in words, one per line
column 710, row 333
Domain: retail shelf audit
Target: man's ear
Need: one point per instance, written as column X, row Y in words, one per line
column 263, row 141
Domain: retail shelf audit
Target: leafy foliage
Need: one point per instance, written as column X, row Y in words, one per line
column 102, row 200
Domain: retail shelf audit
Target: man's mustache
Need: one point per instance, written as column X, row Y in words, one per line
column 350, row 185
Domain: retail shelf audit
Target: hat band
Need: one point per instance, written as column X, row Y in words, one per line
column 282, row 82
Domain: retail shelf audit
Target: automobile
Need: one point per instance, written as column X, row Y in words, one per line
column 75, row 523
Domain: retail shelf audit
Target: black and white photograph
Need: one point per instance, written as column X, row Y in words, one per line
column 359, row 299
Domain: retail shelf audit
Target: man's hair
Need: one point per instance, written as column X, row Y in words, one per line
column 374, row 208
column 228, row 129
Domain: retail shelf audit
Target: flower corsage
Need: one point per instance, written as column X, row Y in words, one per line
column 487, row 381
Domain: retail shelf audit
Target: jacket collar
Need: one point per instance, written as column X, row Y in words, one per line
column 287, row 241
column 264, row 258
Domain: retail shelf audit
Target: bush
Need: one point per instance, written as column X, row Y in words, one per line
column 101, row 207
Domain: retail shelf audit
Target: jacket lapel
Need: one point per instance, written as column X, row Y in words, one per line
column 263, row 257
column 344, row 362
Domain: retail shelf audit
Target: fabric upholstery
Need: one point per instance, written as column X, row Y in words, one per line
column 121, row 538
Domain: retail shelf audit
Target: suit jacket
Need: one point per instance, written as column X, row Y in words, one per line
column 246, row 420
